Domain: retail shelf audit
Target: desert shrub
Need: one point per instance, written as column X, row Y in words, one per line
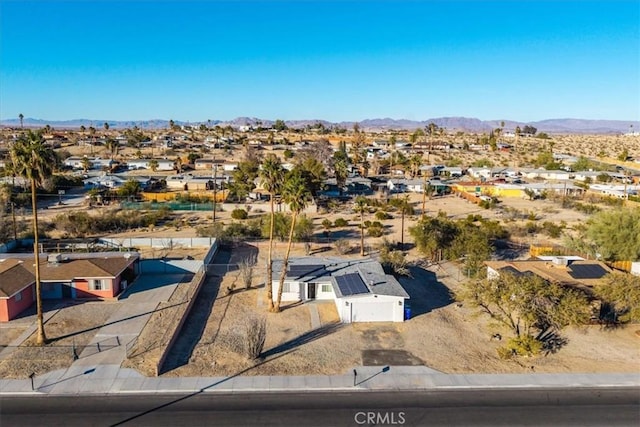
column 382, row 215
column 342, row 246
column 374, row 230
column 341, row 222
column 239, row 214
column 245, row 268
column 531, row 227
column 255, row 329
column 586, row 208
column 524, row 345
column 551, row 229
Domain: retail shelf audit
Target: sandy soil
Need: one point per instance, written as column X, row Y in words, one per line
column 442, row 334
column 73, row 326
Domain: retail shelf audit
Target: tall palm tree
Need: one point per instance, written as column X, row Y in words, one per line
column 360, row 208
column 296, row 194
column 34, row 161
column 21, row 117
column 271, row 179
column 112, row 146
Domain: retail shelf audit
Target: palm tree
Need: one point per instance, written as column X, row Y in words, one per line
column 106, row 126
column 296, row 194
column 86, row 164
column 92, row 132
column 271, row 179
column 405, row 208
column 361, row 208
column 177, row 164
column 34, row 161
column 112, row 146
column 21, row 117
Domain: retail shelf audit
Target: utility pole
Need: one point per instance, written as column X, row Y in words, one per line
column 13, row 217
column 215, row 188
column 424, row 196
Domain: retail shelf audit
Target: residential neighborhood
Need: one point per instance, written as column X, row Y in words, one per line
column 416, row 213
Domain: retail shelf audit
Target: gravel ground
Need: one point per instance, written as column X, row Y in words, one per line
column 74, row 325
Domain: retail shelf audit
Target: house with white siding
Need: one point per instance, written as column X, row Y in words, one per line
column 360, row 289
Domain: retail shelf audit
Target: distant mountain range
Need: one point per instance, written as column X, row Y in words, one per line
column 468, row 124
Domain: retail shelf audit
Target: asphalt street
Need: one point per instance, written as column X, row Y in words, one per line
column 506, row 407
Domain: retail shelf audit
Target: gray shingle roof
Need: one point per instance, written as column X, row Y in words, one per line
column 370, row 270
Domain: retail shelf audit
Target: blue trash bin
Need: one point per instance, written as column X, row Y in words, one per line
column 407, row 312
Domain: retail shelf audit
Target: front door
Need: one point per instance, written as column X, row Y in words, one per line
column 311, row 291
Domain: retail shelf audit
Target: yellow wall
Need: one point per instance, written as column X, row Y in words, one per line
column 221, row 195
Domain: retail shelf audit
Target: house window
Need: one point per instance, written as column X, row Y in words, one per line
column 286, row 287
column 19, row 296
column 98, row 285
column 326, row 288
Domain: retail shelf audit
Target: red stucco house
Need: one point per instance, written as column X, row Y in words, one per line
column 96, row 276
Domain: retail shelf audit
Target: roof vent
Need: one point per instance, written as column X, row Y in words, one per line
column 54, row 258
column 560, row 260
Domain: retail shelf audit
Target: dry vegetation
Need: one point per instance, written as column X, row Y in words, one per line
column 73, row 326
column 448, row 338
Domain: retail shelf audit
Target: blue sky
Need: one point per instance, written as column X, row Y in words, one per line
column 333, row 60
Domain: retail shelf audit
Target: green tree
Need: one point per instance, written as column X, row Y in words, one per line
column 106, row 126
column 340, row 165
column 243, row 178
column 296, row 194
column 153, row 165
column 433, row 234
column 21, row 117
column 271, row 179
column 361, row 206
column 314, row 173
column 582, row 164
column 621, row 293
column 130, row 188
column 34, row 161
column 623, row 155
column 86, row 164
column 526, row 304
column 279, row 125
column 616, row 234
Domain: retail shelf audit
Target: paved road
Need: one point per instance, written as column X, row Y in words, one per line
column 512, row 407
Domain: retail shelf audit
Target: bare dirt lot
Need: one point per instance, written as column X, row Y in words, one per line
column 73, row 326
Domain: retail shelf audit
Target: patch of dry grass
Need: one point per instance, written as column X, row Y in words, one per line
column 75, row 325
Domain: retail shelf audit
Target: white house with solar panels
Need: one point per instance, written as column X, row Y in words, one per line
column 360, row 288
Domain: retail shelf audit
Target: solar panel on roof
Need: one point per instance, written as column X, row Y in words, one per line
column 587, row 271
column 301, row 270
column 351, row 284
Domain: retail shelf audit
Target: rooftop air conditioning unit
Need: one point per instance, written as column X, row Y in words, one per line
column 560, row 260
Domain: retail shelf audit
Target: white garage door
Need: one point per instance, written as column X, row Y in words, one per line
column 381, row 311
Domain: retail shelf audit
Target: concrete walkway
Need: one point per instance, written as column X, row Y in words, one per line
column 111, row 379
column 314, row 315
column 135, row 308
